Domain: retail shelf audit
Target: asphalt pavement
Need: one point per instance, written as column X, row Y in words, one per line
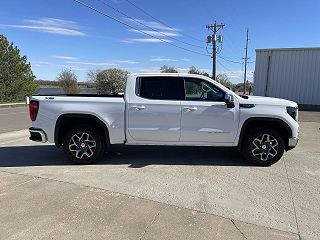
column 14, row 118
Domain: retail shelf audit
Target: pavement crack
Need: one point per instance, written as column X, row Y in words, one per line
column 152, row 222
column 234, row 224
column 128, row 195
column 292, row 200
column 18, row 185
column 204, row 208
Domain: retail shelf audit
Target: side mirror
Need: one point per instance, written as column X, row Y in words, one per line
column 229, row 100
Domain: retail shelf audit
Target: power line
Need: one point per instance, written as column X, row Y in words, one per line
column 159, row 21
column 139, row 30
column 229, row 40
column 228, row 60
column 223, row 66
column 145, row 25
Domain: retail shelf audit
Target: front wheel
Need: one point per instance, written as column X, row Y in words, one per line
column 263, row 147
column 83, row 144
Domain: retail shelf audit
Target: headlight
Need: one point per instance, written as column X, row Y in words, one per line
column 293, row 112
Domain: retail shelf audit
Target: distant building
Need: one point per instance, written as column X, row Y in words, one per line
column 290, row 73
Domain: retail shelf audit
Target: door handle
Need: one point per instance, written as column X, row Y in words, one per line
column 139, row 107
column 190, row 109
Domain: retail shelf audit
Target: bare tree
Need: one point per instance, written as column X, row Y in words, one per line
column 111, row 81
column 67, row 79
column 92, row 75
column 168, row 69
column 194, row 70
column 224, row 80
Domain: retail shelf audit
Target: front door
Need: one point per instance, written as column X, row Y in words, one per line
column 205, row 116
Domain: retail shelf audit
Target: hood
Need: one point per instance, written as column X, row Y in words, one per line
column 267, row 101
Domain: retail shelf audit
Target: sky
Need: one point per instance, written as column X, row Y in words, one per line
column 144, row 35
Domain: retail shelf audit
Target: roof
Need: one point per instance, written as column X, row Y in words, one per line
column 168, row 74
column 287, row 49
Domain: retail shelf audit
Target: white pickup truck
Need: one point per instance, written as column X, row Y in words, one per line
column 166, row 109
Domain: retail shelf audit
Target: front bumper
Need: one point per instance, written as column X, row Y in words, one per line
column 292, row 142
column 37, row 135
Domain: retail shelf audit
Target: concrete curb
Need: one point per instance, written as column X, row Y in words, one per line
column 14, row 135
column 8, row 105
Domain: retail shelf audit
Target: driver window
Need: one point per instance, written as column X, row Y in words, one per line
column 201, row 90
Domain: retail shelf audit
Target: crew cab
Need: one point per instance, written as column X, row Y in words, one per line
column 166, row 109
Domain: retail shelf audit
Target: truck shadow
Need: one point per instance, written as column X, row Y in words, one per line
column 134, row 156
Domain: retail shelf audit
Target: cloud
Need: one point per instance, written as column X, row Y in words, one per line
column 158, row 30
column 126, row 41
column 162, row 59
column 151, row 24
column 64, row 57
column 185, row 59
column 155, row 33
column 237, row 75
column 109, row 63
column 44, row 63
column 92, row 63
column 50, row 25
column 125, row 61
column 145, row 40
column 186, row 70
column 75, row 68
column 147, row 70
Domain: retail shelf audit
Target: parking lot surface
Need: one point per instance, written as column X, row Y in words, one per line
column 14, row 118
column 159, row 192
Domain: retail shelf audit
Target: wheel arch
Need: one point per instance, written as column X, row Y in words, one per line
column 276, row 123
column 68, row 120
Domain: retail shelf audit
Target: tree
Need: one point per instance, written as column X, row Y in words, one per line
column 224, row 80
column 194, row 70
column 92, row 75
column 16, row 77
column 67, row 79
column 239, row 87
column 168, row 69
column 111, row 81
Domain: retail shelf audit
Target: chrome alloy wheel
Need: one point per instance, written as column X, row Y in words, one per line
column 264, row 147
column 82, row 145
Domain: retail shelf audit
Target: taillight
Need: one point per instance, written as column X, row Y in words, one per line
column 33, row 109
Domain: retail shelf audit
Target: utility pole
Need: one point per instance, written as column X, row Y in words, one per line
column 214, row 28
column 245, row 64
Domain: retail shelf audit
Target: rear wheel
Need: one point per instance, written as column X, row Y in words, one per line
column 263, row 147
column 83, row 144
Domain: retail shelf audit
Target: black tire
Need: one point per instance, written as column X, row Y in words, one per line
column 267, row 152
column 84, row 144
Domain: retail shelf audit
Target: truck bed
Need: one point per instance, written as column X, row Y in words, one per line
column 82, row 95
column 107, row 108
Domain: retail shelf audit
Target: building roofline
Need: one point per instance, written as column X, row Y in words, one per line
column 287, row 49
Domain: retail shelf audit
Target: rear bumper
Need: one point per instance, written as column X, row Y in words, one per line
column 37, row 135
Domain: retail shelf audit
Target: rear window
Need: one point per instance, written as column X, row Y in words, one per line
column 161, row 88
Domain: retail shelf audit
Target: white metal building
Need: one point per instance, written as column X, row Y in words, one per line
column 290, row 73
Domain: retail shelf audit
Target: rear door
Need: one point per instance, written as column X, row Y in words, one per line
column 154, row 111
column 205, row 116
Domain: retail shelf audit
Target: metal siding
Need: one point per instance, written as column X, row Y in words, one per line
column 293, row 74
column 260, row 73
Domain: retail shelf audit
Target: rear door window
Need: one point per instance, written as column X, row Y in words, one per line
column 161, row 88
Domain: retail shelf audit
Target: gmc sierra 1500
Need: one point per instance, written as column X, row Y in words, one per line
column 166, row 109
